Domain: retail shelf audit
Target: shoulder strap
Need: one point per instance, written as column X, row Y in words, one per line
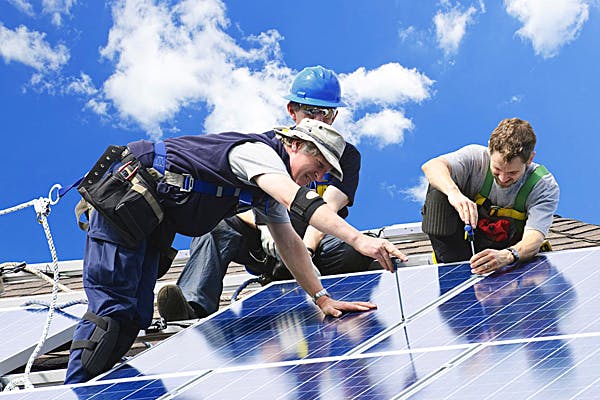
column 160, row 157
column 487, row 184
column 537, row 174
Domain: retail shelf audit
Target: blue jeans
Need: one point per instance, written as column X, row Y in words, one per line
column 201, row 280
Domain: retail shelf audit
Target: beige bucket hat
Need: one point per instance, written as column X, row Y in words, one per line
column 329, row 141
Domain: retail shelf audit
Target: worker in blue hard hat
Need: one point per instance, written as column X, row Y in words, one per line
column 316, row 86
column 316, row 94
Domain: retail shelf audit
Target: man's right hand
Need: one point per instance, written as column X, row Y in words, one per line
column 466, row 208
column 381, row 250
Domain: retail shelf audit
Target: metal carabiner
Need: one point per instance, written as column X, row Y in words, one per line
column 56, row 187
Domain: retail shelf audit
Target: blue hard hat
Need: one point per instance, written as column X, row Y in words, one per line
column 316, row 86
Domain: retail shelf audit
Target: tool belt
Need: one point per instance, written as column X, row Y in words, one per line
column 124, row 194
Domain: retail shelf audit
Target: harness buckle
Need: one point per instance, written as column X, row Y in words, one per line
column 187, row 184
column 127, row 173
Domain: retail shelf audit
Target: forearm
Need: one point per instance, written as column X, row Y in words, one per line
column 325, row 220
column 530, row 244
column 437, row 171
column 293, row 253
column 490, row 260
column 312, row 238
column 336, row 200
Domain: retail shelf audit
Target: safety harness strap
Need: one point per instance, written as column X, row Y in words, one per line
column 517, row 212
column 487, row 184
column 537, row 174
column 187, row 183
column 321, row 186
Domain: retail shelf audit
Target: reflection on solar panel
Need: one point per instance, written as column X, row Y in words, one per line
column 279, row 324
column 21, row 328
column 532, row 332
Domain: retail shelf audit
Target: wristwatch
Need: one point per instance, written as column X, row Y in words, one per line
column 319, row 294
column 514, row 253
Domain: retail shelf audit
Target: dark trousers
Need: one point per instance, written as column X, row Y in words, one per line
column 119, row 283
column 451, row 248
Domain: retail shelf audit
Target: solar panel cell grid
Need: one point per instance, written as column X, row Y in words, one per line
column 551, row 296
column 532, row 332
column 280, row 323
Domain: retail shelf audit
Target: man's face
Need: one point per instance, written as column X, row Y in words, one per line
column 507, row 173
column 322, row 114
column 306, row 168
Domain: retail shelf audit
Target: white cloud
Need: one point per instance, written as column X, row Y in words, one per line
column 515, row 99
column 417, row 193
column 82, row 85
column 389, row 188
column 23, row 5
column 549, row 24
column 30, row 48
column 169, row 58
column 482, row 6
column 389, row 84
column 57, row 8
column 386, row 88
column 406, row 33
column 451, row 27
column 384, row 127
column 98, row 107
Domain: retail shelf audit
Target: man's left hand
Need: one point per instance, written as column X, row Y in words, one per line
column 490, row 260
column 336, row 308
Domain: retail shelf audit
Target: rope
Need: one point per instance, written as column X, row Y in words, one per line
column 42, row 208
column 17, row 208
column 46, row 278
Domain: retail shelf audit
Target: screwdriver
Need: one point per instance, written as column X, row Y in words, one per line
column 470, row 236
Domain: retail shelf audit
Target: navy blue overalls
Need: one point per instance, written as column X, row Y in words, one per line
column 118, row 280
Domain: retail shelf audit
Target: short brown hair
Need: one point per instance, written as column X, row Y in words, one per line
column 513, row 137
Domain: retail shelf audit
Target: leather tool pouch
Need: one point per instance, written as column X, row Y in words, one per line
column 439, row 217
column 125, row 195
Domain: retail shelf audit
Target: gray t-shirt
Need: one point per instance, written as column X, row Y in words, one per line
column 251, row 159
column 469, row 166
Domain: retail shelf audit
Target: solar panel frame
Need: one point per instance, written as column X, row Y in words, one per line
column 22, row 328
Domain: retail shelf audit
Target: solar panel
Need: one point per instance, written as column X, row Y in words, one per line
column 554, row 295
column 279, row 323
column 21, row 329
column 566, row 368
column 531, row 332
column 366, row 377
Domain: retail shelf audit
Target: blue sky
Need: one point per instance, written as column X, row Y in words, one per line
column 421, row 78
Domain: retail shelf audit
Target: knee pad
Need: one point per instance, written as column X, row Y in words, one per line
column 99, row 348
column 439, row 217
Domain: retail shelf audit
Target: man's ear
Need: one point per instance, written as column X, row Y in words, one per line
column 296, row 145
column 531, row 157
column 292, row 113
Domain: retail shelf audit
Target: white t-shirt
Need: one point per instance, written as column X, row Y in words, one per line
column 469, row 166
column 251, row 159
